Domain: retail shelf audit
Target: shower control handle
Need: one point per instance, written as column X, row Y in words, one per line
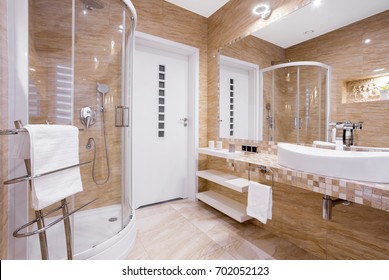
column 87, row 116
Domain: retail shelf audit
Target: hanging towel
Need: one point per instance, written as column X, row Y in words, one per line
column 53, row 147
column 259, row 202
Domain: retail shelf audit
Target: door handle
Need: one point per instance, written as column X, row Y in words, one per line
column 185, row 121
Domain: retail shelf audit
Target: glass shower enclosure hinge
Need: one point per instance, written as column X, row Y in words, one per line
column 122, row 116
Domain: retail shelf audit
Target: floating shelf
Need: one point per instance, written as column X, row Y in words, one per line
column 224, row 179
column 230, row 207
column 224, row 153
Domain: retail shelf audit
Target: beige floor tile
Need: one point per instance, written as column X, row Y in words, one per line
column 138, row 252
column 156, row 220
column 222, row 236
column 185, row 230
column 219, row 254
column 244, row 250
column 181, row 241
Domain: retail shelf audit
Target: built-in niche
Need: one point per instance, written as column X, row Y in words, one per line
column 366, row 89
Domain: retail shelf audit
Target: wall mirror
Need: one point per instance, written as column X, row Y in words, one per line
column 262, row 97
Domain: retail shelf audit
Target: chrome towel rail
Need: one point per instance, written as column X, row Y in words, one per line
column 12, row 131
column 64, row 205
column 29, row 177
column 39, row 215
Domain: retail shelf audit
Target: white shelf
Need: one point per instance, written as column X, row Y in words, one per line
column 230, row 181
column 230, row 207
column 224, row 153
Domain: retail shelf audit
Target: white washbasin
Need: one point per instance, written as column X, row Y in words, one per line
column 360, row 166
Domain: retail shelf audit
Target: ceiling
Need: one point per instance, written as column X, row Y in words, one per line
column 314, row 20
column 304, row 24
column 204, row 8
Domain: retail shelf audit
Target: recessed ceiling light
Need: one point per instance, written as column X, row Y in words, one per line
column 367, row 41
column 317, row 3
column 262, row 10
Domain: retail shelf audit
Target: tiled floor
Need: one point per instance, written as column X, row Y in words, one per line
column 185, row 230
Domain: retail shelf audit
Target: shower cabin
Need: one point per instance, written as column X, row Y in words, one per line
column 296, row 102
column 80, row 54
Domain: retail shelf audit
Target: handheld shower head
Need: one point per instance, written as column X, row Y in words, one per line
column 102, row 88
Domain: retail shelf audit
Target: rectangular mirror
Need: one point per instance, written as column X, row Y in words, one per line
column 292, row 103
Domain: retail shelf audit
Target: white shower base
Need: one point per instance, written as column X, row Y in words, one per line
column 95, row 237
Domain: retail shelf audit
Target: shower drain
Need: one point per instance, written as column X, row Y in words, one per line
column 113, row 219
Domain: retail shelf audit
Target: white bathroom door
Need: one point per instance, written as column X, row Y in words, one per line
column 160, row 125
column 238, row 99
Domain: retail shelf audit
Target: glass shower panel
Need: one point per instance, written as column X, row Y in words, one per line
column 67, row 62
column 285, row 104
column 50, row 93
column 312, row 105
column 267, row 109
column 296, row 101
column 98, row 59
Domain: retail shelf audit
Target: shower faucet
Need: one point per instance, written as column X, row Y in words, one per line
column 87, row 116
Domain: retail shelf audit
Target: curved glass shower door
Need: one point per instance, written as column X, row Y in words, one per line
column 86, row 62
column 296, row 102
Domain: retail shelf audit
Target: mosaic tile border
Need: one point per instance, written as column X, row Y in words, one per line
column 368, row 194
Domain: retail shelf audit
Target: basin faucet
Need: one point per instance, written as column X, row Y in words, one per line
column 348, row 131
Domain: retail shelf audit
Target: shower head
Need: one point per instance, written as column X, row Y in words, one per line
column 93, row 4
column 102, row 88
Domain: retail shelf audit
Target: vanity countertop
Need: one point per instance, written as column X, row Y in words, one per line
column 365, row 193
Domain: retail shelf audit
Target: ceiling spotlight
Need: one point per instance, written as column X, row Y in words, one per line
column 367, row 41
column 317, row 3
column 262, row 10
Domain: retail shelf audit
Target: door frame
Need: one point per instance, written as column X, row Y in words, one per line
column 193, row 55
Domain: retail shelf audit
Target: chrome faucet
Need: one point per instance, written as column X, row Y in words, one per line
column 348, row 131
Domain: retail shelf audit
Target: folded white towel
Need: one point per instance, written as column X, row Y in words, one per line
column 53, row 147
column 259, row 202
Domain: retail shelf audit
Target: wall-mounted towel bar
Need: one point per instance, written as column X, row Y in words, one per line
column 263, row 169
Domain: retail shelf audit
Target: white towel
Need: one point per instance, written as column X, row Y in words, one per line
column 53, row 147
column 259, row 202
